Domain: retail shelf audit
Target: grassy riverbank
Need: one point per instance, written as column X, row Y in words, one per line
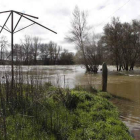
column 60, row 114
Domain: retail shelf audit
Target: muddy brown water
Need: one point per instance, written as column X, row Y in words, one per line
column 124, row 85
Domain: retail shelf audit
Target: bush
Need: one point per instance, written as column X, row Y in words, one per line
column 57, row 114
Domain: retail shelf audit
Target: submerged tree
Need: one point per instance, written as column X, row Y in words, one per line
column 122, row 42
column 79, row 33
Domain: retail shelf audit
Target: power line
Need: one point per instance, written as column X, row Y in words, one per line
column 113, row 13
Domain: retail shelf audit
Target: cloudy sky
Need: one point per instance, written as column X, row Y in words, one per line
column 57, row 14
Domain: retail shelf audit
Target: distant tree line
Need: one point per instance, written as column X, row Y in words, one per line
column 121, row 43
column 32, row 52
column 118, row 45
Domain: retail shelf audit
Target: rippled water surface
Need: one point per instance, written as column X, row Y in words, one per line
column 124, row 85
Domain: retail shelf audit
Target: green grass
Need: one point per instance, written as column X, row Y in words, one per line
column 63, row 114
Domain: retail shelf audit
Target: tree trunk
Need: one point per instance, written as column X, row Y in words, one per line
column 120, row 66
column 126, row 67
column 117, row 67
column 132, row 66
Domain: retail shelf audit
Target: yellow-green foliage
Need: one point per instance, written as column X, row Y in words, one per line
column 65, row 115
column 105, row 95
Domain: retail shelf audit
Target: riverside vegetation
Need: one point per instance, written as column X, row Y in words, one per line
column 36, row 111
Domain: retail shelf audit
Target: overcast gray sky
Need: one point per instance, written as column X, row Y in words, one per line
column 57, row 14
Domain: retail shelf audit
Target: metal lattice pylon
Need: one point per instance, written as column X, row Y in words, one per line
column 22, row 15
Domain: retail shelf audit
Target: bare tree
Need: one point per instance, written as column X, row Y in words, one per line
column 122, row 42
column 79, row 33
column 35, row 48
column 3, row 46
column 50, row 53
column 93, row 52
column 27, row 50
column 44, row 53
column 66, row 58
column 112, row 40
column 54, row 52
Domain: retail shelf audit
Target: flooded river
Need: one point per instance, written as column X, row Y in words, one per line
column 124, row 85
